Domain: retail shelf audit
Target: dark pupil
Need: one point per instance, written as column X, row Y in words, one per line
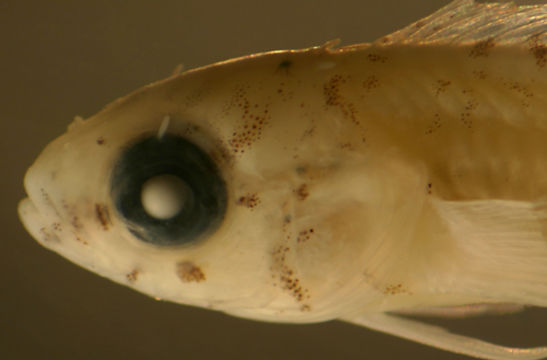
column 204, row 209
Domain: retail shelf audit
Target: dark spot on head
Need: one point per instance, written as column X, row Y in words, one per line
column 100, row 140
column 284, row 66
column 187, row 271
column 482, row 48
column 103, row 216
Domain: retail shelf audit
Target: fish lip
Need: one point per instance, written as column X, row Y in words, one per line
column 34, row 223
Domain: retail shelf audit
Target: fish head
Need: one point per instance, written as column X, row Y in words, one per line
column 227, row 187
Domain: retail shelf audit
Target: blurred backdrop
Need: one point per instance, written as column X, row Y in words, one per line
column 65, row 58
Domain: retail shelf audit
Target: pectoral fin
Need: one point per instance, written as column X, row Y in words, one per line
column 464, row 311
column 443, row 339
column 502, row 246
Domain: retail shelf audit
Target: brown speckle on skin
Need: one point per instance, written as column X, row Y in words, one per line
column 132, row 276
column 333, row 97
column 80, row 240
column 480, row 74
column 249, row 200
column 102, row 215
column 482, row 48
column 254, row 117
column 305, row 235
column 100, row 140
column 75, row 221
column 435, row 125
column 187, row 271
column 538, row 50
column 376, row 58
column 47, row 200
column 521, row 90
column 441, row 86
column 308, row 132
column 284, row 93
column 386, row 289
column 429, row 188
column 395, row 289
column 302, row 192
column 286, row 275
column 371, row 82
column 465, row 116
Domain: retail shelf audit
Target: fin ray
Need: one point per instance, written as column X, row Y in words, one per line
column 440, row 338
column 467, row 21
column 502, row 249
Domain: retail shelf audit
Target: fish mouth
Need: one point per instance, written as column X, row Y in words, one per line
column 34, row 223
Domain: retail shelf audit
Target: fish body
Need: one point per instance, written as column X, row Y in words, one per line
column 406, row 175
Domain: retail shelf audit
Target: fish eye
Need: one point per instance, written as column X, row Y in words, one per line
column 168, row 191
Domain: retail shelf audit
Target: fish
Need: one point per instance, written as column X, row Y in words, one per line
column 360, row 183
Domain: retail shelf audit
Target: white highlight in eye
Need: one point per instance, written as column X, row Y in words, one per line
column 163, row 126
column 163, row 196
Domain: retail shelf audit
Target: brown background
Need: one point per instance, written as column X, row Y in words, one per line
column 63, row 58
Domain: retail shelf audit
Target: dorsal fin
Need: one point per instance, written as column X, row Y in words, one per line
column 466, row 21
